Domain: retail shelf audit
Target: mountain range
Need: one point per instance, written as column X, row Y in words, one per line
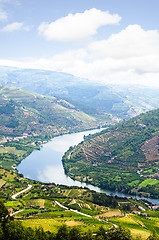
column 114, row 102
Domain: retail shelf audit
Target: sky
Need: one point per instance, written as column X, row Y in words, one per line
column 109, row 41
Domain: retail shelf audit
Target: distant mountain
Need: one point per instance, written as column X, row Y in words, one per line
column 140, row 98
column 119, row 102
column 23, row 113
column 124, row 157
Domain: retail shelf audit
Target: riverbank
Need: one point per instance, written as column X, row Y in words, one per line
column 47, row 165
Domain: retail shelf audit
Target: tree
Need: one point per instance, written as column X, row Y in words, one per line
column 4, row 215
column 62, row 233
column 74, row 234
column 14, row 231
column 119, row 233
column 40, row 234
column 153, row 236
column 88, row 235
column 101, row 234
column 1, row 233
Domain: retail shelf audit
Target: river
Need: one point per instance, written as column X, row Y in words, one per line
column 46, row 165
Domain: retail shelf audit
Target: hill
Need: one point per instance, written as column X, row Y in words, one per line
column 122, row 158
column 92, row 98
column 28, row 120
column 25, row 113
column 41, row 210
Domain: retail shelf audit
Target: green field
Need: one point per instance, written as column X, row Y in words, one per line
column 149, row 182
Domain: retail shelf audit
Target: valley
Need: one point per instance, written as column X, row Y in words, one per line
column 123, row 157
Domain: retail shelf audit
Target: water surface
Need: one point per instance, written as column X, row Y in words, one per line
column 46, row 165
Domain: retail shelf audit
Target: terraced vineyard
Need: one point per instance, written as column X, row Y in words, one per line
column 26, row 113
column 122, row 158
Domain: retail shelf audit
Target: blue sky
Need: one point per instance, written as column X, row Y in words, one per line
column 111, row 41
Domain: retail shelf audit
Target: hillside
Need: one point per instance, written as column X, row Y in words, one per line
column 92, row 98
column 25, row 113
column 29, row 120
column 41, row 210
column 122, row 158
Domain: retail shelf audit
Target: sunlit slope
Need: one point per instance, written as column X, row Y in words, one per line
column 95, row 99
column 122, row 158
column 23, row 112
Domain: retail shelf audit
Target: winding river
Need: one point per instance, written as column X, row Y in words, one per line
column 46, row 165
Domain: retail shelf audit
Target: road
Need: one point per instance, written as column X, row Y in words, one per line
column 17, row 194
column 62, row 206
column 17, row 212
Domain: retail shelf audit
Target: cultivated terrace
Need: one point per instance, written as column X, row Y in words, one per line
column 121, row 158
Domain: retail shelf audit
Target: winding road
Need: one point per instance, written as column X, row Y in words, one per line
column 17, row 194
column 62, row 206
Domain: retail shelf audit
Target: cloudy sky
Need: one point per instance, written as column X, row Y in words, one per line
column 111, row 41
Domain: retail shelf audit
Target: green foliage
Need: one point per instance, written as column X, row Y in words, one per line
column 4, row 215
column 117, row 158
column 119, row 233
column 62, row 233
column 153, row 236
column 33, row 114
column 104, row 200
column 1, row 233
column 14, row 230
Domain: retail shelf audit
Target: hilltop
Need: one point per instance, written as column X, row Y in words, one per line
column 26, row 113
column 102, row 101
column 121, row 158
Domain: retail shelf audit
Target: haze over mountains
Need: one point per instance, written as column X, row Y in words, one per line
column 102, row 101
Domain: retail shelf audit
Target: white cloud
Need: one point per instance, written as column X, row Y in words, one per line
column 15, row 26
column 130, row 42
column 131, row 56
column 77, row 27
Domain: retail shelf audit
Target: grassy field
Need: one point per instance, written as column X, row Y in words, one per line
column 112, row 213
column 2, row 182
column 149, row 182
column 14, row 204
column 47, row 224
column 12, row 150
column 51, row 221
column 135, row 226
